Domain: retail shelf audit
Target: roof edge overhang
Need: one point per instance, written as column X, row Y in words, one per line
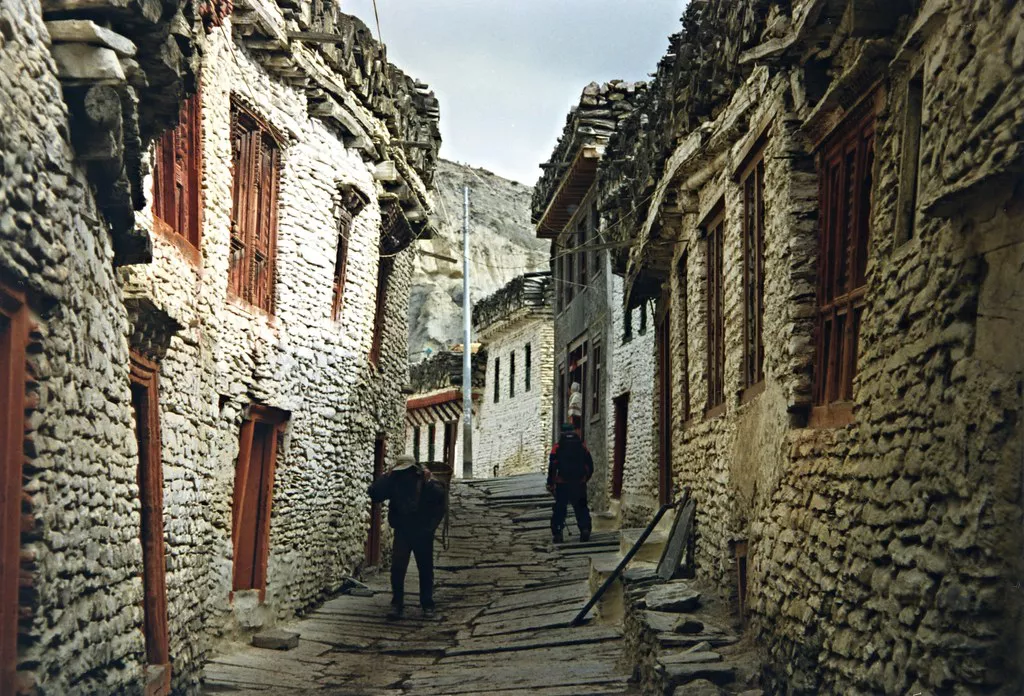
column 571, row 191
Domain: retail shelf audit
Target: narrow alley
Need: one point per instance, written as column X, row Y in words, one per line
column 506, row 598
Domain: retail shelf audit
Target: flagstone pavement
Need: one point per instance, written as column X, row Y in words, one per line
column 505, row 598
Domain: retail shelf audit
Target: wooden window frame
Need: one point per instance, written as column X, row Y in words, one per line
column 715, row 307
column 497, row 379
column 144, row 376
column 256, row 176
column 843, row 250
column 643, row 318
column 527, row 366
column 431, row 441
column 14, row 338
column 451, row 438
column 177, row 180
column 276, row 420
column 341, row 263
column 384, row 272
column 416, row 442
column 511, row 374
column 751, row 181
column 595, row 379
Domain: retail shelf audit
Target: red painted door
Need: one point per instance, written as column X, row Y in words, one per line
column 13, row 338
column 145, row 404
column 253, row 500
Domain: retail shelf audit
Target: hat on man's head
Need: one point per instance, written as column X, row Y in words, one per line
column 405, row 461
column 567, row 427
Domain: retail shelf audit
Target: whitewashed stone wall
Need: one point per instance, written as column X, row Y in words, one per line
column 300, row 360
column 631, row 370
column 80, row 553
column 514, row 433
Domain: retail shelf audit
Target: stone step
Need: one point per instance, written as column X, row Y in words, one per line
column 652, row 547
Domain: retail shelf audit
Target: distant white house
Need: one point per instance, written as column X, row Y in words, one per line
column 515, row 328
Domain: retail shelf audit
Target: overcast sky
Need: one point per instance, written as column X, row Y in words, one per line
column 506, row 72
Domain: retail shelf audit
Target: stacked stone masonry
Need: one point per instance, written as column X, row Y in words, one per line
column 513, row 425
column 883, row 537
column 81, row 600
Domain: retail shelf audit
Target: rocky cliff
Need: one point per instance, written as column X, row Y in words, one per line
column 502, row 246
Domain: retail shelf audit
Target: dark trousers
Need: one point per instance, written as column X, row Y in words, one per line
column 422, row 546
column 576, row 495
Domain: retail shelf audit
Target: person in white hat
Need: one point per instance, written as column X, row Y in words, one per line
column 416, row 508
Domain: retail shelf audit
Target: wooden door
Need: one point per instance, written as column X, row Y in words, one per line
column 253, row 499
column 451, row 438
column 146, row 407
column 376, row 521
column 13, row 338
column 663, row 338
column 619, row 454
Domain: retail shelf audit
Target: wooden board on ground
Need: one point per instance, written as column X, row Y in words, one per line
column 682, row 527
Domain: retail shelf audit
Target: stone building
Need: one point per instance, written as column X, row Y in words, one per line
column 512, row 432
column 566, row 209
column 433, row 419
column 826, row 210
column 205, row 327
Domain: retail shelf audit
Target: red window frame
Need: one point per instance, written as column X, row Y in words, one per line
column 341, row 263
column 845, row 165
column 752, row 186
column 380, row 312
column 256, row 157
column 715, row 245
column 177, row 177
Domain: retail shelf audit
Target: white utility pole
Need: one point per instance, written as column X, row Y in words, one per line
column 467, row 341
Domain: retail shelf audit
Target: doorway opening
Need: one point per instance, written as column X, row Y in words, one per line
column 619, row 453
column 254, row 489
column 376, row 518
column 146, row 409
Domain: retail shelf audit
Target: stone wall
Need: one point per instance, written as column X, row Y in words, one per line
column 631, row 370
column 299, row 360
column 81, row 606
column 883, row 554
column 514, row 433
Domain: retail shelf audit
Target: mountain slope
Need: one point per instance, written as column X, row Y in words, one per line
column 502, row 245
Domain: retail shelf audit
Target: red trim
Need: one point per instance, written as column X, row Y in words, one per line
column 13, row 375
column 433, row 399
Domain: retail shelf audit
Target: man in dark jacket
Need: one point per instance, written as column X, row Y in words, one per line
column 417, row 506
column 570, row 466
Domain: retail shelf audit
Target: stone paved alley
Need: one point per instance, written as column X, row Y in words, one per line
column 504, row 597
